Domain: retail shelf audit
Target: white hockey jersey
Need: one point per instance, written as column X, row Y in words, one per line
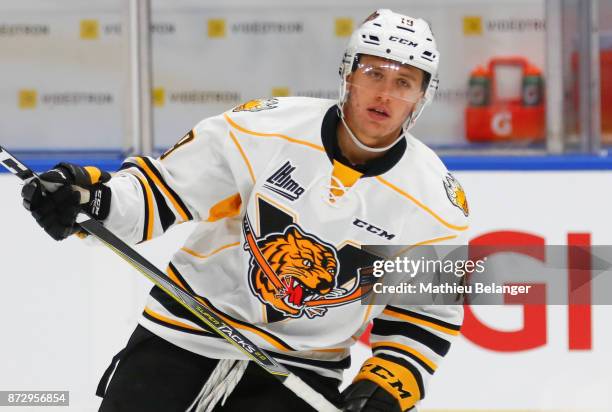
column 280, row 223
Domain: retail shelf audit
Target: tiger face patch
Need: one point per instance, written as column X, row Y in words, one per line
column 456, row 194
column 257, row 105
column 294, row 273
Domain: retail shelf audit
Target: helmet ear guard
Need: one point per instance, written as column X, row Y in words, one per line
column 428, row 96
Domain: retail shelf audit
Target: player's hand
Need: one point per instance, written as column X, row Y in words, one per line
column 366, row 396
column 55, row 203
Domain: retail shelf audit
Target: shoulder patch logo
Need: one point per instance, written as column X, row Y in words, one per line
column 455, row 194
column 257, row 105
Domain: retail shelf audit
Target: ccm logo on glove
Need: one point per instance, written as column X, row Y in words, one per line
column 393, row 378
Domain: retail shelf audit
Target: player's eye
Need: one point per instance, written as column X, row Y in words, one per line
column 403, row 83
column 332, row 271
column 307, row 263
column 374, row 74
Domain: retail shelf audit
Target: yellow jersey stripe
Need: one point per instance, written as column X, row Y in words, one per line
column 421, row 205
column 170, row 321
column 202, row 256
column 422, row 322
column 407, row 349
column 244, row 157
column 150, row 207
column 290, row 139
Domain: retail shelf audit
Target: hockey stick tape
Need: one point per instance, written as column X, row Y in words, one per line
column 312, row 397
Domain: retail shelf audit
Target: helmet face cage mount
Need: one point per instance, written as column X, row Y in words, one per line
column 396, row 37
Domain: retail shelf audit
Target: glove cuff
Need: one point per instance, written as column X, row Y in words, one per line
column 395, row 379
column 84, row 176
column 98, row 206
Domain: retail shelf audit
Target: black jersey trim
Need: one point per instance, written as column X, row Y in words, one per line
column 166, row 215
column 373, row 167
column 424, row 317
column 176, row 197
column 146, row 212
column 207, row 333
column 404, row 353
column 180, row 277
column 432, row 341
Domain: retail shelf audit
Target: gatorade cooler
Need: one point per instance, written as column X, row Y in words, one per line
column 495, row 116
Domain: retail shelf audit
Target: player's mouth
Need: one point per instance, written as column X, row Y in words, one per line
column 378, row 113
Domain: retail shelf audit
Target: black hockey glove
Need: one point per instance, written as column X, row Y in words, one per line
column 56, row 205
column 367, row 396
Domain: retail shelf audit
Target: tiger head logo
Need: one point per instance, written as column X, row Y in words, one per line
column 456, row 194
column 305, row 267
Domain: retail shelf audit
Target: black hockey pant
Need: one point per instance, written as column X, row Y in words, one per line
column 154, row 375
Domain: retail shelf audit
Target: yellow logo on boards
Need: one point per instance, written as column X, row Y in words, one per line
column 344, row 26
column 280, row 91
column 216, row 28
column 27, row 99
column 159, row 97
column 472, row 25
column 90, row 29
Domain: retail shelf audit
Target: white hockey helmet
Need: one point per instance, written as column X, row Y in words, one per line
column 400, row 38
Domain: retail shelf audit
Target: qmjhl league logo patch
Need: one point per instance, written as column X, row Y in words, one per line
column 283, row 184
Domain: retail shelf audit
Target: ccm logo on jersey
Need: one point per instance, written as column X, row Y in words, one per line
column 282, row 183
column 373, row 229
column 403, row 41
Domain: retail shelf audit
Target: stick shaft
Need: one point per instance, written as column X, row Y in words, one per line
column 205, row 314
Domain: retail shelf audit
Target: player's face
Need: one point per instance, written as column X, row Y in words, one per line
column 381, row 95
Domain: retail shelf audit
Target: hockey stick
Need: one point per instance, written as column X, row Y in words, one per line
column 190, row 302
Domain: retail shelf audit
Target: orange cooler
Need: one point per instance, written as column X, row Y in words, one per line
column 492, row 116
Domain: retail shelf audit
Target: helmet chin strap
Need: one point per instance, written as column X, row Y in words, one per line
column 363, row 146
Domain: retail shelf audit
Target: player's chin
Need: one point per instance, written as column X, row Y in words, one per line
column 377, row 132
column 374, row 141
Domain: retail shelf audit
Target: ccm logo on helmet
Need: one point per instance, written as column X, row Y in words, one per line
column 403, row 41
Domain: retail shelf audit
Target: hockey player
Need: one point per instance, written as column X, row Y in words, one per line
column 306, row 183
